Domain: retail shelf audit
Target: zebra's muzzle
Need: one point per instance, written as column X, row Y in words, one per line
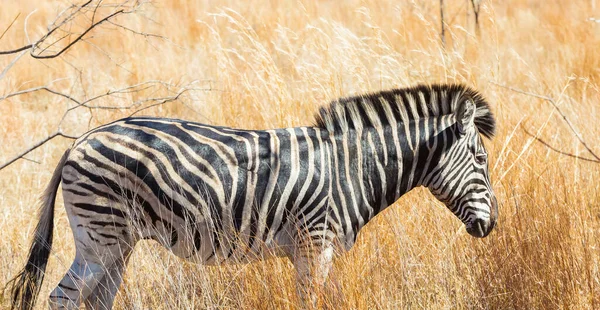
column 480, row 228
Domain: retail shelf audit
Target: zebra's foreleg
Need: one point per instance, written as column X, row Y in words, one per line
column 312, row 268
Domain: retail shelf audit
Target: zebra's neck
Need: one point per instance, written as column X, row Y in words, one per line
column 373, row 167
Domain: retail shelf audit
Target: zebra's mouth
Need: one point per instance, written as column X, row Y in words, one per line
column 479, row 228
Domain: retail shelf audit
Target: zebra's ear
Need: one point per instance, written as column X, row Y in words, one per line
column 465, row 115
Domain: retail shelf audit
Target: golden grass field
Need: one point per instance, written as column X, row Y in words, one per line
column 267, row 64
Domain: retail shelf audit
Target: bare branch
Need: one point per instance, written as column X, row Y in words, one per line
column 76, row 39
column 35, row 89
column 26, row 47
column 143, row 34
column 35, row 146
column 66, row 19
column 31, row 160
column 50, row 31
column 137, row 88
column 565, row 119
column 159, row 102
column 540, row 140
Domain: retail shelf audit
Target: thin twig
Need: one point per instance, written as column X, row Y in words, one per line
column 31, row 160
column 35, row 146
column 78, row 38
column 34, row 89
column 9, row 26
column 160, row 102
column 564, row 117
column 146, row 35
column 540, row 140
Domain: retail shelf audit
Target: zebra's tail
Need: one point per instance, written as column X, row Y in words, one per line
column 25, row 287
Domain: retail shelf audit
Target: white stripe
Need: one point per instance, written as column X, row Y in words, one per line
column 289, row 186
column 264, row 206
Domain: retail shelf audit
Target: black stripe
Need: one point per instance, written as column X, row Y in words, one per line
column 99, row 209
column 75, row 192
column 106, row 223
column 66, row 288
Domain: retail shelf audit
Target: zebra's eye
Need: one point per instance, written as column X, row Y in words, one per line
column 481, row 158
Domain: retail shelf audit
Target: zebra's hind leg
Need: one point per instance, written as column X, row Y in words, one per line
column 77, row 284
column 103, row 296
column 312, row 268
column 101, row 245
column 94, row 277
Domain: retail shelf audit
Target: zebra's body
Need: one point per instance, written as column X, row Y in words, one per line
column 237, row 205
column 220, row 195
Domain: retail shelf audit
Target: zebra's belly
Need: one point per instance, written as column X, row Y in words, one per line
column 201, row 244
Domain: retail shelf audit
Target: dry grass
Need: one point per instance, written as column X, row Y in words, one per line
column 272, row 64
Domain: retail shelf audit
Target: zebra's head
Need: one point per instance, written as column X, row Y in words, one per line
column 461, row 178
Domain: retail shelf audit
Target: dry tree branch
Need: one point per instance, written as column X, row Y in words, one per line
column 50, row 31
column 35, row 146
column 74, row 41
column 548, row 145
column 565, row 119
column 35, row 89
column 159, row 101
column 132, row 89
column 26, row 47
column 143, row 34
column 66, row 18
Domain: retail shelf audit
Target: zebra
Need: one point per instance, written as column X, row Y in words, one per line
column 217, row 195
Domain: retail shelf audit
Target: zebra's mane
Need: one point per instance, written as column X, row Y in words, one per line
column 403, row 104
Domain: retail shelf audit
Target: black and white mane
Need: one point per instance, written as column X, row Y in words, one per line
column 404, row 104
